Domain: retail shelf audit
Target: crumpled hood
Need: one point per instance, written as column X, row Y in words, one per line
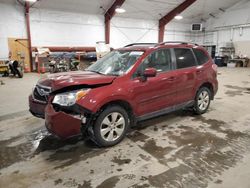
column 60, row 80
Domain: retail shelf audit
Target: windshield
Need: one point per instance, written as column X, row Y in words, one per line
column 116, row 63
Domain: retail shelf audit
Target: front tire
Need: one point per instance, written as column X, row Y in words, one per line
column 110, row 126
column 202, row 100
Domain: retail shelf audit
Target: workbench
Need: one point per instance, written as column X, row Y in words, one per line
column 240, row 62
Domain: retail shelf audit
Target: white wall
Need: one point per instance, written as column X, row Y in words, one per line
column 175, row 31
column 125, row 31
column 57, row 28
column 12, row 25
column 60, row 28
column 231, row 26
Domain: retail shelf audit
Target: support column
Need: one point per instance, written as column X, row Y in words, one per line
column 107, row 31
column 108, row 16
column 161, row 33
column 27, row 18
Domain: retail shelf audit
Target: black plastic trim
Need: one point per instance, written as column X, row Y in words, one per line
column 74, row 109
column 165, row 111
column 37, row 115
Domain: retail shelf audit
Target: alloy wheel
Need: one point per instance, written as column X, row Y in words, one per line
column 112, row 126
column 203, row 100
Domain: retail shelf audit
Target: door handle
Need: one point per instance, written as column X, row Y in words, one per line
column 200, row 71
column 170, row 79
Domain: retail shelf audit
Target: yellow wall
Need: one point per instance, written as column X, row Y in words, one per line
column 19, row 48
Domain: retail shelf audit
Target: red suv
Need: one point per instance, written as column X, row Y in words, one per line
column 130, row 84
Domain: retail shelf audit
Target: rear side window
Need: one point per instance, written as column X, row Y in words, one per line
column 201, row 56
column 184, row 58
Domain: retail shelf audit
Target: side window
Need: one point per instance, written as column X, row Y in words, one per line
column 160, row 60
column 184, row 58
column 201, row 56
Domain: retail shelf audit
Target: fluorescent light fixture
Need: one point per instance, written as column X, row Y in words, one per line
column 120, row 10
column 32, row 1
column 178, row 17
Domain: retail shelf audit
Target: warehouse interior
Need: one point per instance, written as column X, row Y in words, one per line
column 40, row 39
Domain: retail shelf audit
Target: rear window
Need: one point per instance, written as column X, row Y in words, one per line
column 184, row 58
column 201, row 56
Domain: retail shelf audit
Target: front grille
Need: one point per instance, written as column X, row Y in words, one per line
column 41, row 93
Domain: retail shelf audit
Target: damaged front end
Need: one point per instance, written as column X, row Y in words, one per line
column 55, row 98
column 66, row 122
column 38, row 100
column 63, row 116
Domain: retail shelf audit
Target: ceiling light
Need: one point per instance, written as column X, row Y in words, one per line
column 32, row 1
column 178, row 17
column 120, row 10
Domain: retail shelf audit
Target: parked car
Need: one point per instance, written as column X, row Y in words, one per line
column 90, row 56
column 130, row 84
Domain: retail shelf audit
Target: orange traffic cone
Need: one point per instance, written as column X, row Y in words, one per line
column 26, row 68
column 43, row 70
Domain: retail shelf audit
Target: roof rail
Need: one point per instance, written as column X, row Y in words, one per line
column 176, row 42
column 140, row 44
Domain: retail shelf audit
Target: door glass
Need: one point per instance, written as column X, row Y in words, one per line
column 160, row 60
column 201, row 56
column 184, row 58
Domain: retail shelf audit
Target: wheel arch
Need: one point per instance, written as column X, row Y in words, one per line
column 209, row 86
column 122, row 103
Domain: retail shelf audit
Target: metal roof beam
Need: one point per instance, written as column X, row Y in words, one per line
column 108, row 16
column 170, row 16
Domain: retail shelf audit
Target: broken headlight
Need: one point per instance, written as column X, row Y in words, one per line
column 69, row 98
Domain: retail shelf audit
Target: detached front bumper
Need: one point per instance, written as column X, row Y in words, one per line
column 61, row 124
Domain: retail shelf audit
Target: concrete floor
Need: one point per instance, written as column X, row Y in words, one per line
column 176, row 150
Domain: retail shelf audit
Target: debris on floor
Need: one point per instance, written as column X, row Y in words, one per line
column 1, row 82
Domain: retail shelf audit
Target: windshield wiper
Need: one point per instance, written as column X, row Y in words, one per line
column 95, row 71
column 102, row 73
column 113, row 74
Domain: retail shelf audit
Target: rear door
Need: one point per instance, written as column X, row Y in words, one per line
column 202, row 60
column 156, row 93
column 186, row 69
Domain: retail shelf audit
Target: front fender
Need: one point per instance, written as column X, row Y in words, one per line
column 99, row 97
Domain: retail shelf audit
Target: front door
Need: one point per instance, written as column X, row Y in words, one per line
column 155, row 93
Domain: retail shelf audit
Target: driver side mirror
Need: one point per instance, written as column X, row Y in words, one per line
column 150, row 72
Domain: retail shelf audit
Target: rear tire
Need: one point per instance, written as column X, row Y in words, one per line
column 202, row 100
column 111, row 126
